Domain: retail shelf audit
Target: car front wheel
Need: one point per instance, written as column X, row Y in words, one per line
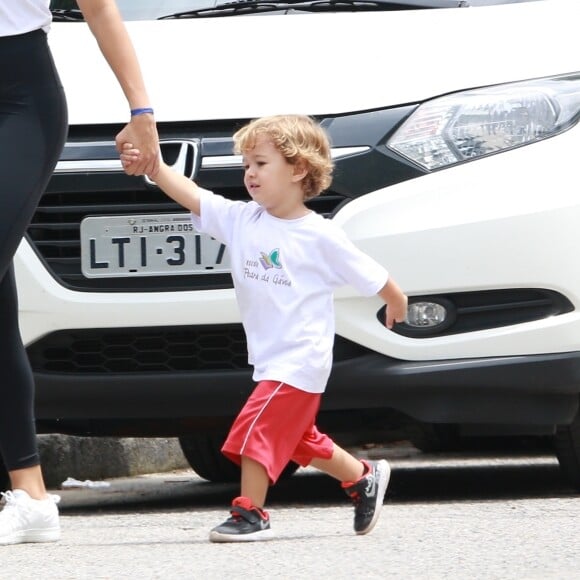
column 203, row 453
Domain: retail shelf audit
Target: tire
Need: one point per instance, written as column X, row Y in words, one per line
column 436, row 438
column 203, row 453
column 567, row 445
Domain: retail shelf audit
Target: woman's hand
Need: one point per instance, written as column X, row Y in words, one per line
column 141, row 134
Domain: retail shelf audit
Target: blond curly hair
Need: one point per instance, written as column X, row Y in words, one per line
column 299, row 139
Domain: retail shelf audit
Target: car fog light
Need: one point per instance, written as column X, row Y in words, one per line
column 426, row 315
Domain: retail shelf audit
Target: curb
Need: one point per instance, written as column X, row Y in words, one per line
column 97, row 458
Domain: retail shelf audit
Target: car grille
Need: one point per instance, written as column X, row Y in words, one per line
column 142, row 350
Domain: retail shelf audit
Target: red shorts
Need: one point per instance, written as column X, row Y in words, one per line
column 275, row 426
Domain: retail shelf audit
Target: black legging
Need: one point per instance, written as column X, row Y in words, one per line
column 33, row 124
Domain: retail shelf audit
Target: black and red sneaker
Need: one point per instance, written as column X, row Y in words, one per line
column 368, row 493
column 247, row 523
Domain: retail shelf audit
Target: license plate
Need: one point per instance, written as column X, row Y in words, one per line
column 148, row 245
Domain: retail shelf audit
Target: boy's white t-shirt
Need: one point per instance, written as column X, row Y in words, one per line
column 285, row 272
column 20, row 16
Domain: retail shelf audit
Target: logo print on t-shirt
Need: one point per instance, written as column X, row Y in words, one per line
column 271, row 260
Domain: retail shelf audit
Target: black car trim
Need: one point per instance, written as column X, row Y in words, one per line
column 538, row 389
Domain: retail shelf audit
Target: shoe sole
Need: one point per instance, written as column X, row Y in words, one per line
column 384, row 470
column 32, row 537
column 255, row 537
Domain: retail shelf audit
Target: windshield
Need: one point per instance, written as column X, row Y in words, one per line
column 142, row 9
column 153, row 9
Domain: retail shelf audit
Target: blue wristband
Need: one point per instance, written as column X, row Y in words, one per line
column 143, row 111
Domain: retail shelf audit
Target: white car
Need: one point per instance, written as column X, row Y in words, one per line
column 456, row 140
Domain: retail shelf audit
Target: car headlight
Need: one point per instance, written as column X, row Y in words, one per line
column 467, row 125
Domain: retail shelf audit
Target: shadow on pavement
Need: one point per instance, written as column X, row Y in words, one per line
column 415, row 478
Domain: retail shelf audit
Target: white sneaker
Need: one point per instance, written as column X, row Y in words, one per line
column 24, row 519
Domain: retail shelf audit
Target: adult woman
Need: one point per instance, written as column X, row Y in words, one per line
column 33, row 125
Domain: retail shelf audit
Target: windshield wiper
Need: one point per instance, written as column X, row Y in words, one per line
column 259, row 6
column 67, row 15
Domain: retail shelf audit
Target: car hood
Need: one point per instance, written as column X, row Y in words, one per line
column 317, row 64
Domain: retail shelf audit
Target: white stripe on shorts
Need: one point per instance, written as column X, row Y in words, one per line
column 258, row 416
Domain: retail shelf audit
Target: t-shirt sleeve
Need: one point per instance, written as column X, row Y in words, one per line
column 350, row 266
column 218, row 216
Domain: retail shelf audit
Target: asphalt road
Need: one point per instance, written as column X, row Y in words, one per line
column 486, row 516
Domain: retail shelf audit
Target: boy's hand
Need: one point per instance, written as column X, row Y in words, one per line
column 396, row 311
column 129, row 155
column 396, row 301
column 176, row 185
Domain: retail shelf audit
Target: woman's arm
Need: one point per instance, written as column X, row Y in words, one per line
column 108, row 28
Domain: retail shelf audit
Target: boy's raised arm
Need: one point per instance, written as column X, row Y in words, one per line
column 178, row 187
column 396, row 301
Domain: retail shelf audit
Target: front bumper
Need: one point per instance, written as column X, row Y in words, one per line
column 520, row 390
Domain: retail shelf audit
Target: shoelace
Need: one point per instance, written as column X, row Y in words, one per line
column 12, row 513
column 9, row 498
